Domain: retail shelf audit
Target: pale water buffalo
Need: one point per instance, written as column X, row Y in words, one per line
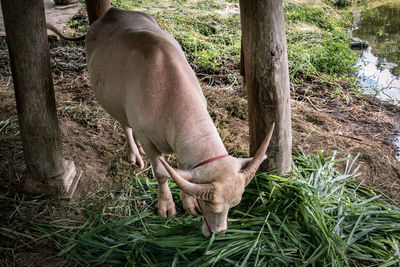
column 141, row 77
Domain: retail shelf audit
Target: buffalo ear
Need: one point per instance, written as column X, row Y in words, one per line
column 185, row 174
column 244, row 162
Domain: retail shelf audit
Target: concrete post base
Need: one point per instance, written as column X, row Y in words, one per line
column 60, row 187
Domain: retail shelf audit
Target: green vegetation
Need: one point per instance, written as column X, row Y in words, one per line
column 209, row 32
column 319, row 216
column 343, row 3
column 208, row 36
column 3, row 43
column 317, row 41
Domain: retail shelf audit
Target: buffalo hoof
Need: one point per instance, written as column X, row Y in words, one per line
column 136, row 159
column 166, row 206
column 190, row 204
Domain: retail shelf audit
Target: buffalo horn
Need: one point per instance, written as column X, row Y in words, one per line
column 252, row 167
column 199, row 191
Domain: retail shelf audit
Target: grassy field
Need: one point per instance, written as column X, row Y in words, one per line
column 209, row 33
column 321, row 215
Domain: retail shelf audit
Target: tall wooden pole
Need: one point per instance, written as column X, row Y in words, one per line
column 96, row 9
column 26, row 35
column 266, row 79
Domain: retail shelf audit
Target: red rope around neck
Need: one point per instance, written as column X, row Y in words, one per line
column 210, row 160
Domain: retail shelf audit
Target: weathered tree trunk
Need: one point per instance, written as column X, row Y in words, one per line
column 96, row 9
column 30, row 64
column 266, row 79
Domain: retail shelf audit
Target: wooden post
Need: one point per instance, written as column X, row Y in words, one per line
column 96, row 9
column 26, row 35
column 266, row 79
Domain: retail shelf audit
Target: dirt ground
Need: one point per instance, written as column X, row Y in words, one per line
column 56, row 15
column 94, row 141
column 346, row 123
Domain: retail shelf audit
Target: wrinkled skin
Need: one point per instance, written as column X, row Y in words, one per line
column 142, row 78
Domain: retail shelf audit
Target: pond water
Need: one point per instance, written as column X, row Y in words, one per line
column 379, row 64
column 378, row 23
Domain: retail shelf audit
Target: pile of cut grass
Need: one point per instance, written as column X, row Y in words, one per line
column 319, row 216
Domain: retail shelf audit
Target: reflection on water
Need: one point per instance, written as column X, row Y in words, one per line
column 379, row 65
column 396, row 143
column 376, row 77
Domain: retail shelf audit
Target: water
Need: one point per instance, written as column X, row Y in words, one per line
column 379, row 64
column 377, row 78
column 396, row 143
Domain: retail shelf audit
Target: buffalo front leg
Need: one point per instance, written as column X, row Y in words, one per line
column 190, row 204
column 165, row 204
column 133, row 150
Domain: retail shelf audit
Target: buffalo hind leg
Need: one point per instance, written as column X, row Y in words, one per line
column 138, row 145
column 134, row 148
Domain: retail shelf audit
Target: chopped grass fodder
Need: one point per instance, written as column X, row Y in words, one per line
column 320, row 216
